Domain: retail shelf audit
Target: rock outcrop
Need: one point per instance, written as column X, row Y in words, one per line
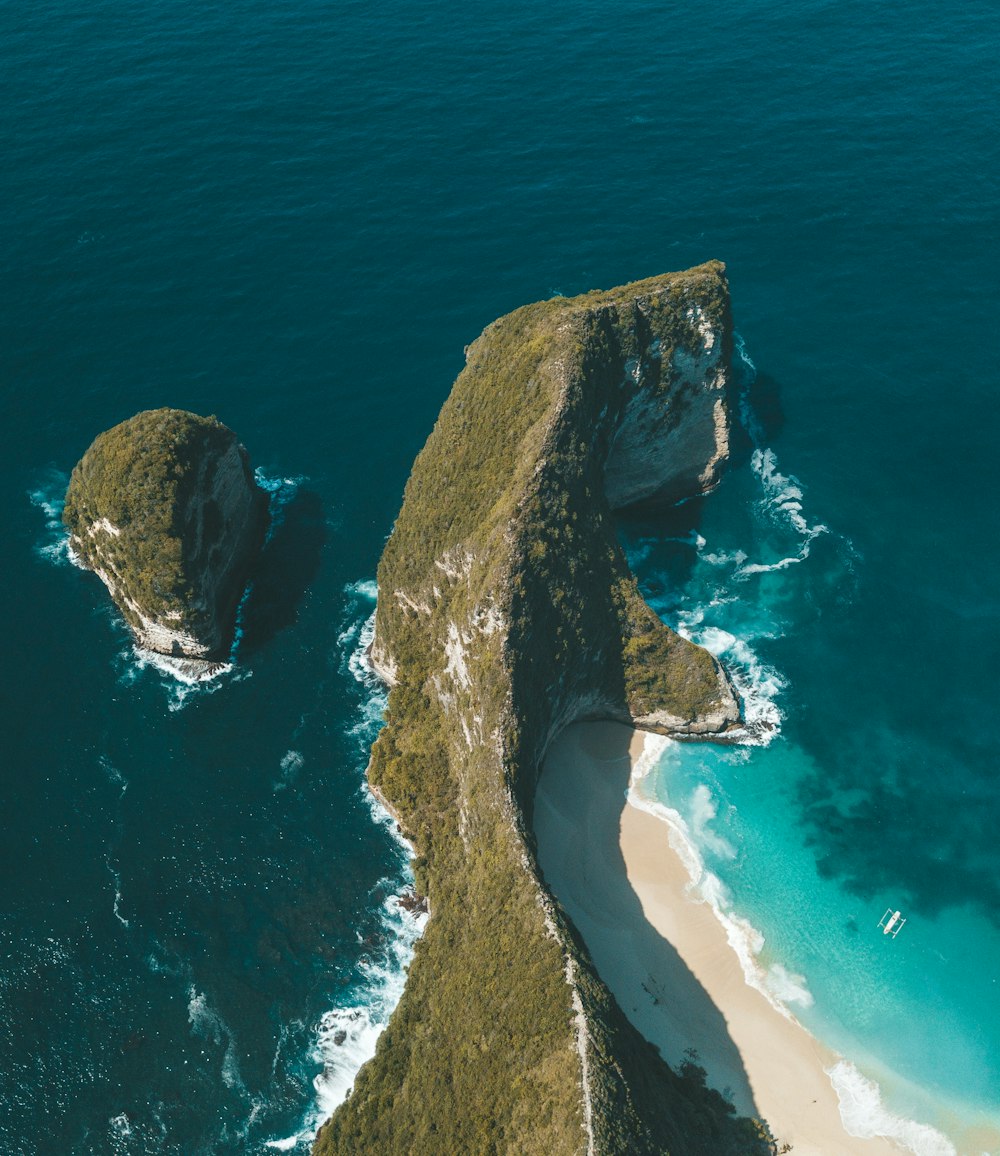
column 507, row 610
column 165, row 510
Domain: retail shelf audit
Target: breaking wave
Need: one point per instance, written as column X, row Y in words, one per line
column 181, row 682
column 727, row 595
column 757, row 683
column 49, row 497
column 354, row 641
column 346, row 1035
column 782, row 497
column 687, row 840
column 782, row 504
column 864, row 1115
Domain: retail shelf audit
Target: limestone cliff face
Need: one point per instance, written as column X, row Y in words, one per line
column 165, row 510
column 672, row 434
column 506, row 611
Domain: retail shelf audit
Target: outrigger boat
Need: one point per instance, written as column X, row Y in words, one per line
column 891, row 923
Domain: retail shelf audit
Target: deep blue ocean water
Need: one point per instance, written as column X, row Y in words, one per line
column 295, row 216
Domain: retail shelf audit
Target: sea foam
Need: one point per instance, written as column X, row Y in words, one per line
column 704, row 885
column 861, row 1109
column 704, row 811
column 50, row 497
column 354, row 641
column 782, row 504
column 347, row 1033
column 181, row 679
column 209, row 1025
column 746, row 373
column 758, row 684
column 181, row 684
column 864, row 1115
column 292, row 762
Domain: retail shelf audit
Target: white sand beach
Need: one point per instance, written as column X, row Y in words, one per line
column 665, row 955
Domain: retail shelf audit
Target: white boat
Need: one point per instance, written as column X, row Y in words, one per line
column 892, row 922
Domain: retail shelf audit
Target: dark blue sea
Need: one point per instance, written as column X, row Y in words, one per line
column 295, row 216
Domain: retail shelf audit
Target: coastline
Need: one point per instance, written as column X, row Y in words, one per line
column 665, row 956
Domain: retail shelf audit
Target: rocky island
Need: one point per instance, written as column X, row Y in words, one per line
column 165, row 510
column 507, row 611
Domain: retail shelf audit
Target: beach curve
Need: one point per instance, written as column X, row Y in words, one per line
column 665, row 955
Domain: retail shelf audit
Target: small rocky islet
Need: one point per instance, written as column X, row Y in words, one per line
column 165, row 510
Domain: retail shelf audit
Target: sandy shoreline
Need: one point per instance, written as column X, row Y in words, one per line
column 665, row 957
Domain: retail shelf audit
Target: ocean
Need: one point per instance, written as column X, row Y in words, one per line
column 295, row 216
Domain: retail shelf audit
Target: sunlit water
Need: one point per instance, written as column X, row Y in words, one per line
column 804, row 856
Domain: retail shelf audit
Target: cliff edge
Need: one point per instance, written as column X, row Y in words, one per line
column 507, row 610
column 165, row 510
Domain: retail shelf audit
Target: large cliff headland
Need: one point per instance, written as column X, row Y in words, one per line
column 165, row 510
column 507, row 610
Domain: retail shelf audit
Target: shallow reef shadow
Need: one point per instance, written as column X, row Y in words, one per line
column 764, row 398
column 671, row 532
column 872, row 816
column 757, row 416
column 287, row 566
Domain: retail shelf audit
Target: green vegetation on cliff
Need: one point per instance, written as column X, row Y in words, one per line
column 506, row 610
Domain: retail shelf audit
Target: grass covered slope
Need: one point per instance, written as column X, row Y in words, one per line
column 507, row 610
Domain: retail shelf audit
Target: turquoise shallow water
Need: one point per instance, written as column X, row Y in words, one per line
column 750, row 572
column 296, row 216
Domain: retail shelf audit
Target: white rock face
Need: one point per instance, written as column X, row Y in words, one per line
column 221, row 546
column 724, row 717
column 383, row 663
column 151, row 634
column 671, row 447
